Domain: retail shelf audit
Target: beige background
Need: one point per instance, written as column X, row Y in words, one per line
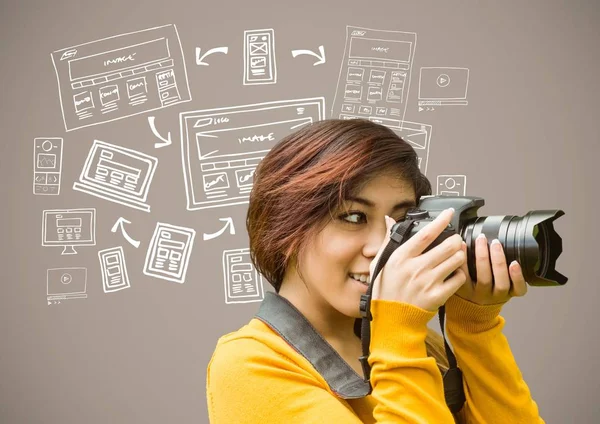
column 527, row 140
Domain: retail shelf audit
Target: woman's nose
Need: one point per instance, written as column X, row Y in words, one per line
column 374, row 239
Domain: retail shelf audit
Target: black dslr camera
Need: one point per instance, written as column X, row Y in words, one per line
column 530, row 239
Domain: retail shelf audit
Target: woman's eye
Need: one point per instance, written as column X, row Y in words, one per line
column 354, row 217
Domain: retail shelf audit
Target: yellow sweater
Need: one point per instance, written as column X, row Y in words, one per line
column 256, row 376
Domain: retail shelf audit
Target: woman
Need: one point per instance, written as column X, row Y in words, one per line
column 321, row 208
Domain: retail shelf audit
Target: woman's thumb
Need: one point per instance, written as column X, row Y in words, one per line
column 389, row 223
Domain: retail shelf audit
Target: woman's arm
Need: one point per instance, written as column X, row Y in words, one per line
column 250, row 382
column 495, row 389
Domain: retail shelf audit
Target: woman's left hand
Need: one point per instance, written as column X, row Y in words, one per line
column 507, row 281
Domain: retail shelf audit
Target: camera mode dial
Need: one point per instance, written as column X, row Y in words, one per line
column 417, row 214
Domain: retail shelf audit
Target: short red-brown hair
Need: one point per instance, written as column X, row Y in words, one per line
column 309, row 174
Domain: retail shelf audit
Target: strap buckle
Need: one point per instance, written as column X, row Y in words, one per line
column 365, row 307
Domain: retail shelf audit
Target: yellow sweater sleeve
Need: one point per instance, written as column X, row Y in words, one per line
column 494, row 387
column 250, row 382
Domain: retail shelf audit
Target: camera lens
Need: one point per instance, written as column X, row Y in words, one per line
column 530, row 240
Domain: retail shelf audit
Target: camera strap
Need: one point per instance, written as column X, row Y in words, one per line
column 453, row 382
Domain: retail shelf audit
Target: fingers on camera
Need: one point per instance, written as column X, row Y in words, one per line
column 450, row 267
column 420, row 241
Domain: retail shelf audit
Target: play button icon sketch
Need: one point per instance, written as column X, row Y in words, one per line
column 443, row 80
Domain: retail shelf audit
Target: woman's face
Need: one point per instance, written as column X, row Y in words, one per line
column 339, row 256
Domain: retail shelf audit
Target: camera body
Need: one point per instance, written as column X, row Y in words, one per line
column 530, row 240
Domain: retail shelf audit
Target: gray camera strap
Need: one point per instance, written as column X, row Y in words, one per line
column 453, row 385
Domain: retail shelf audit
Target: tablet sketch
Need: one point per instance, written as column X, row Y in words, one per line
column 374, row 77
column 243, row 283
column 415, row 134
column 169, row 252
column 222, row 147
column 120, row 76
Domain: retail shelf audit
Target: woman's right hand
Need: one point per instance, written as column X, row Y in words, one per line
column 417, row 278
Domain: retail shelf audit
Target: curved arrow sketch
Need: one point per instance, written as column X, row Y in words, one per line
column 228, row 223
column 208, row 53
column 166, row 141
column 121, row 223
column 310, row 52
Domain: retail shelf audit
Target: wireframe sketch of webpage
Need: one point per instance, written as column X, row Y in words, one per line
column 120, row 76
column 222, row 147
column 243, row 283
column 375, row 74
column 416, row 134
column 117, row 174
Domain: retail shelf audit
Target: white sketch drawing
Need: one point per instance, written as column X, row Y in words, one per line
column 451, row 185
column 66, row 284
column 200, row 57
column 259, row 57
column 169, row 252
column 113, row 269
column 120, row 223
column 120, row 76
column 442, row 86
column 222, row 147
column 320, row 55
column 163, row 141
column 117, row 174
column 375, row 73
column 416, row 134
column 243, row 283
column 47, row 165
column 69, row 228
column 228, row 224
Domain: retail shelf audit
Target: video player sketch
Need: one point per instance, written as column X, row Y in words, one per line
column 374, row 78
column 113, row 269
column 120, row 76
column 243, row 283
column 66, row 284
column 117, row 174
column 47, row 165
column 69, row 228
column 443, row 86
column 222, row 147
column 169, row 252
column 259, row 57
column 451, row 185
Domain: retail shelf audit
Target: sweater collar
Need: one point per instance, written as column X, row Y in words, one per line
column 286, row 320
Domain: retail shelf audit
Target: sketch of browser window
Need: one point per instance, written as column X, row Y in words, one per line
column 374, row 77
column 117, row 174
column 415, row 134
column 222, row 147
column 120, row 76
column 243, row 283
